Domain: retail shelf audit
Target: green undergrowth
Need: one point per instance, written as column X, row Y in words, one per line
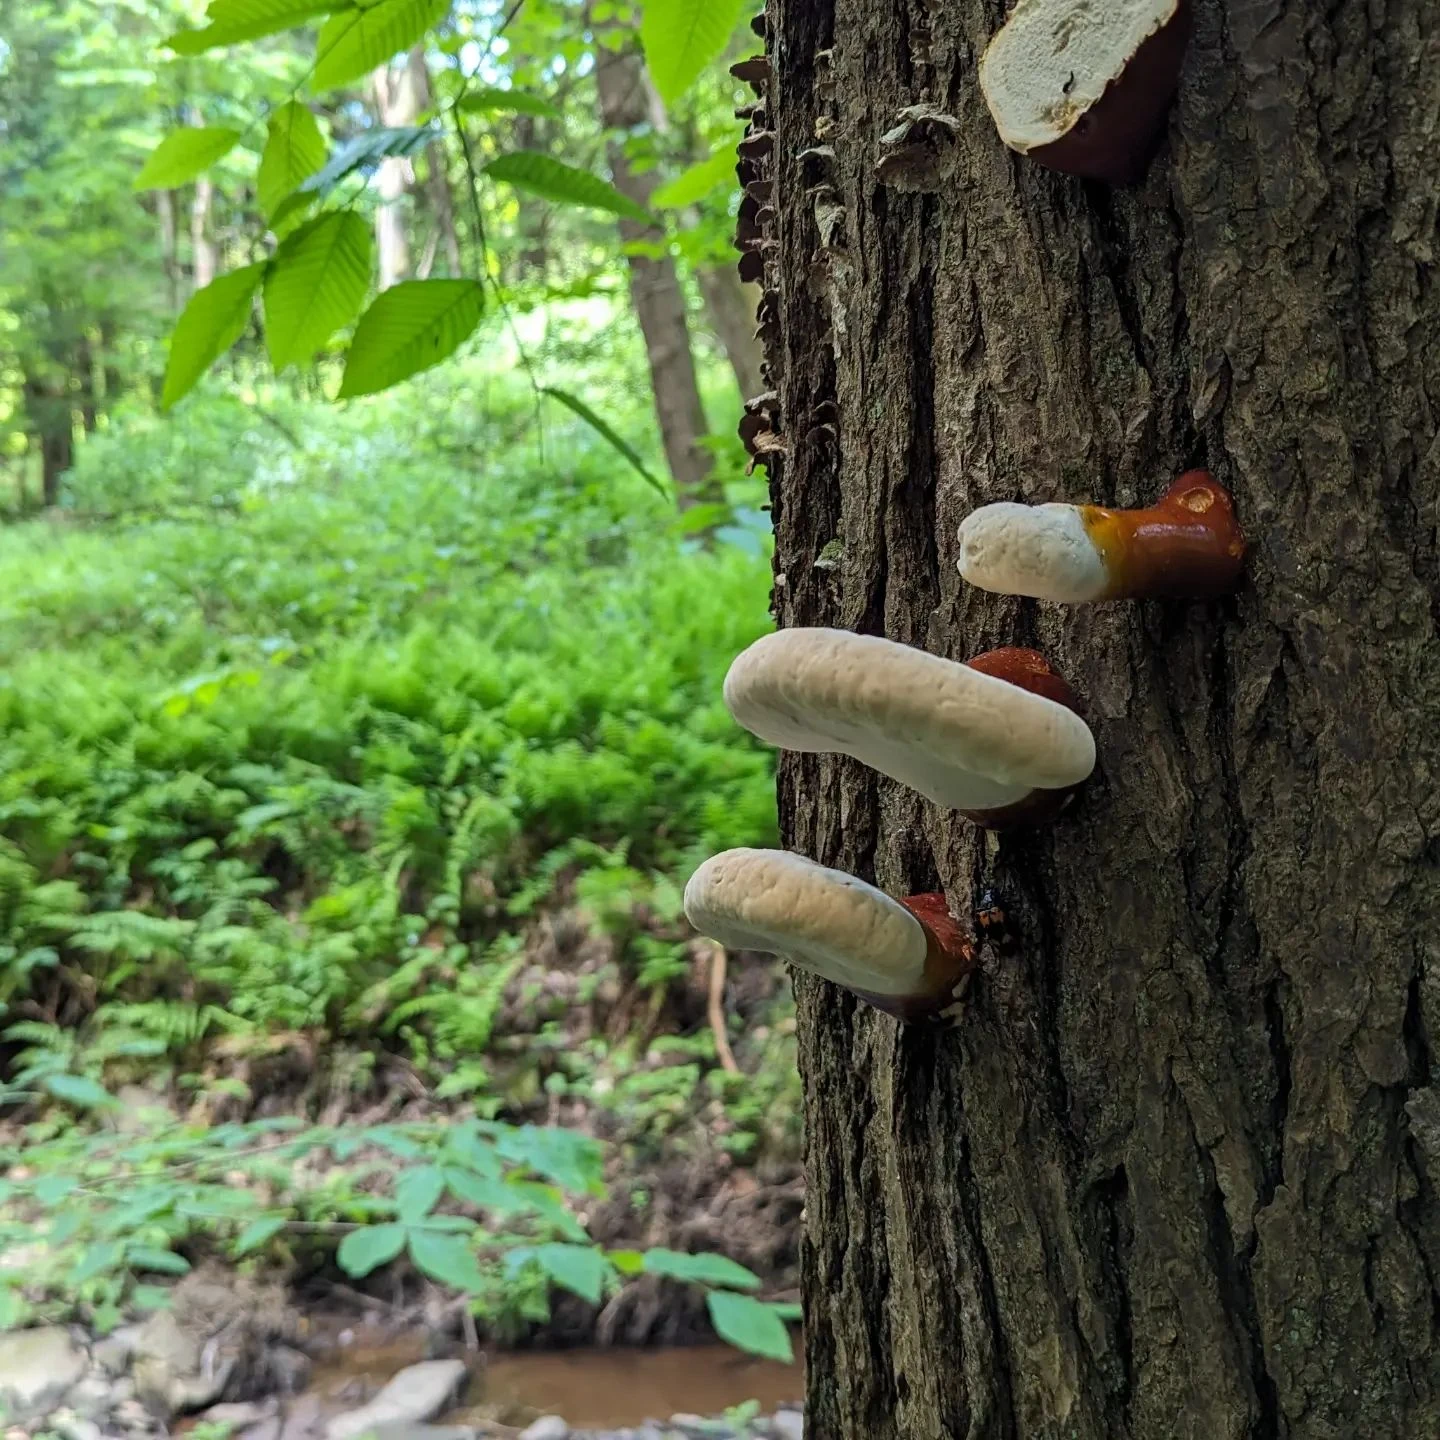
column 308, row 719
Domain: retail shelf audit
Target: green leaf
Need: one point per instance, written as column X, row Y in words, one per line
column 491, row 99
column 700, row 1269
column 362, row 1251
column 315, row 284
column 213, row 320
column 682, row 37
column 572, row 1161
column 231, row 21
column 581, row 1269
column 368, row 149
column 693, row 185
column 79, row 1090
column 446, row 1258
column 258, row 1233
column 98, row 1260
column 750, row 1325
column 184, row 154
column 484, row 1193
column 354, row 42
column 165, row 1262
column 418, row 1191
column 553, row 179
column 603, row 429
column 409, row 328
column 629, row 1263
column 294, row 150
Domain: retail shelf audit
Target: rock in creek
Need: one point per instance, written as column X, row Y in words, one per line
column 416, row 1394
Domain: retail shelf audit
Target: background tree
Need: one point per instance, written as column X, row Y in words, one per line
column 1175, row 1173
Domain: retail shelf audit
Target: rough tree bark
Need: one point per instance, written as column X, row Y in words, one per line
column 203, row 262
column 655, row 288
column 1175, row 1174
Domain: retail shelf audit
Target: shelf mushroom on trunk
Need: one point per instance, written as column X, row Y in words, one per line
column 998, row 738
column 1188, row 545
column 1084, row 87
column 908, row 958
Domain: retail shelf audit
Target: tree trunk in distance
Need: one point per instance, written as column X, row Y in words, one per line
column 53, row 424
column 204, row 266
column 1175, row 1174
column 730, row 304
column 437, row 178
column 169, row 230
column 655, row 288
column 396, row 104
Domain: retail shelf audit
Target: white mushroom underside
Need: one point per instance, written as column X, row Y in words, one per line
column 1053, row 59
column 1043, row 551
column 821, row 920
column 965, row 740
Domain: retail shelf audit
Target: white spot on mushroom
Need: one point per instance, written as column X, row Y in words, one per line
column 1043, row 551
column 963, row 739
column 822, row 920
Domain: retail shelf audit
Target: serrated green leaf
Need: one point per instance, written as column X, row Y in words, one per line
column 362, row 1251
column 681, row 37
column 164, row 1262
column 184, row 154
column 409, row 328
column 231, row 21
column 212, row 321
column 749, row 1325
column 315, row 284
column 700, row 1269
column 606, row 432
column 491, row 99
column 368, row 149
column 446, row 1258
column 294, row 151
column 79, row 1090
column 693, row 185
column 258, row 1233
column 418, row 1191
column 354, row 42
column 553, row 179
column 581, row 1269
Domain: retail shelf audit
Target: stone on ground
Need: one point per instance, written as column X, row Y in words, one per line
column 37, row 1368
column 416, row 1394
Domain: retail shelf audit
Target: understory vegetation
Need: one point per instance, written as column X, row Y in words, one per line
column 354, row 770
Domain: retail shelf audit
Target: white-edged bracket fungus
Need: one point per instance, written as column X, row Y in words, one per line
column 908, row 958
column 1187, row 546
column 997, row 738
column 1084, row 87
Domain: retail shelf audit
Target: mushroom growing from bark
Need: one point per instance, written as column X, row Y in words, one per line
column 1187, row 546
column 1084, row 87
column 909, row 958
column 997, row 738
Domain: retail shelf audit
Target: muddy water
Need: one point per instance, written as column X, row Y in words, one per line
column 589, row 1388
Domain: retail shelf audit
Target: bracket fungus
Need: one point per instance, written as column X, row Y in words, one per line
column 998, row 738
column 1188, row 545
column 909, row 958
column 1084, row 88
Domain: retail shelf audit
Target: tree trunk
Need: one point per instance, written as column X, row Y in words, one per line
column 655, row 288
column 437, row 177
column 202, row 245
column 1175, row 1173
column 396, row 104
column 53, row 424
column 169, row 246
column 730, row 304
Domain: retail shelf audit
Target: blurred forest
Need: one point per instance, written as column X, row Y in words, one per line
column 374, row 539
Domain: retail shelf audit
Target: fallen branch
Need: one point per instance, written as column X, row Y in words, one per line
column 717, row 1011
